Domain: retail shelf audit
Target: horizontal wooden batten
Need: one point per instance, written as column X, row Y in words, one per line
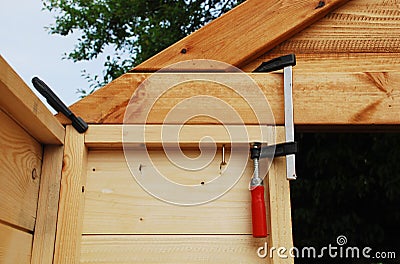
column 172, row 249
column 25, row 107
column 109, row 136
column 365, row 98
column 368, row 26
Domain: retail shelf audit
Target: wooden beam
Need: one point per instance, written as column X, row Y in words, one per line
column 334, row 98
column 25, row 107
column 15, row 245
column 110, row 136
column 20, row 170
column 244, row 33
column 70, row 212
column 280, row 216
column 46, row 221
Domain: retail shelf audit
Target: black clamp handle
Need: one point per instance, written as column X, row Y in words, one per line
column 277, row 63
column 78, row 123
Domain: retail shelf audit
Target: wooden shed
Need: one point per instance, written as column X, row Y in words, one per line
column 68, row 197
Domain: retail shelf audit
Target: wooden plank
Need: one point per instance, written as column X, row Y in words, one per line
column 22, row 104
column 171, row 249
column 116, row 204
column 72, row 192
column 335, row 98
column 110, row 136
column 280, row 220
column 15, row 245
column 244, row 33
column 45, row 228
column 309, row 63
column 370, row 26
column 20, row 158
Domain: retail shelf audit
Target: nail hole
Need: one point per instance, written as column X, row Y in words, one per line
column 141, row 219
column 183, row 51
column 83, row 188
column 202, row 183
column 34, row 174
column 94, row 169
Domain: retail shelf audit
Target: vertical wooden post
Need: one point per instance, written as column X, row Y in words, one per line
column 46, row 221
column 280, row 219
column 70, row 213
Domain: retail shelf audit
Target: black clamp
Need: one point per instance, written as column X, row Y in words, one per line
column 278, row 150
column 78, row 123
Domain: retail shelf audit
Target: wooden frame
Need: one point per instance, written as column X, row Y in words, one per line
column 99, row 245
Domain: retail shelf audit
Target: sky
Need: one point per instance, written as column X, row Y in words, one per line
column 32, row 51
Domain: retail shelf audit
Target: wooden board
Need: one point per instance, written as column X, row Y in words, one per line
column 116, row 204
column 367, row 26
column 310, row 63
column 45, row 228
column 72, row 197
column 26, row 108
column 20, row 158
column 278, row 199
column 365, row 98
column 111, row 136
column 15, row 245
column 244, row 33
column 171, row 249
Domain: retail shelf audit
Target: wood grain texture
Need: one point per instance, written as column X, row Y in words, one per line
column 171, row 249
column 20, row 157
column 26, row 108
column 72, row 192
column 111, row 136
column 334, row 98
column 309, row 63
column 45, row 228
column 15, row 245
column 367, row 26
column 116, row 204
column 244, row 33
column 280, row 219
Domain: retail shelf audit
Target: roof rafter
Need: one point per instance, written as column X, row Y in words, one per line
column 244, row 33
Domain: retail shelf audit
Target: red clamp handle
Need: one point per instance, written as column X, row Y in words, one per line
column 258, row 212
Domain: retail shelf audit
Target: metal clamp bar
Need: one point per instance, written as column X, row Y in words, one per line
column 289, row 124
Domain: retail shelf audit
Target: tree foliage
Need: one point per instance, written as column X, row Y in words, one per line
column 134, row 29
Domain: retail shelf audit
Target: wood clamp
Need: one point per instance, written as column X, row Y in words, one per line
column 287, row 149
column 78, row 123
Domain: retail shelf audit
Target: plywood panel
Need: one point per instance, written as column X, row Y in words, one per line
column 171, row 249
column 116, row 204
column 15, row 245
column 20, row 170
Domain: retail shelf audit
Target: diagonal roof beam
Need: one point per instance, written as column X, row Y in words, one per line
column 244, row 33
